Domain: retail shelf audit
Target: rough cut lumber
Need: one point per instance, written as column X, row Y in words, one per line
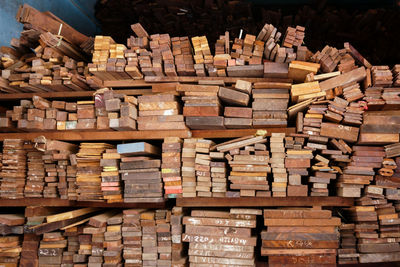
column 355, row 75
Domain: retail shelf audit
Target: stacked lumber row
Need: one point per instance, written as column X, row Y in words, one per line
column 171, row 166
column 35, row 177
column 140, row 171
column 60, row 169
column 111, row 184
column 110, row 110
column 109, row 61
column 163, row 59
column 218, row 172
column 58, row 61
column 30, row 246
column 222, row 58
column 203, row 167
column 297, row 162
column 12, row 253
column 329, row 58
column 202, row 55
column 239, row 95
column 279, row 172
column 249, row 170
column 51, row 248
column 115, row 111
column 376, row 226
column 360, row 171
column 294, row 36
column 300, row 236
column 270, row 102
column 88, row 176
column 270, row 35
column 160, row 112
column 188, row 167
column 132, row 238
column 182, row 51
column 178, row 253
column 347, row 253
column 221, row 237
column 13, row 172
column 202, row 108
column 381, row 76
column 113, row 247
column 396, row 71
column 380, row 127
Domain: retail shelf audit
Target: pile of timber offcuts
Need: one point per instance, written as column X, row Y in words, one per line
column 280, row 165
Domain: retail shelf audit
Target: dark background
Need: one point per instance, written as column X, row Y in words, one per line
column 373, row 27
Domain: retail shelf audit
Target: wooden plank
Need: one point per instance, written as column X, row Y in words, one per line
column 355, row 75
column 69, row 214
column 333, row 130
column 195, row 79
column 264, row 202
column 98, row 135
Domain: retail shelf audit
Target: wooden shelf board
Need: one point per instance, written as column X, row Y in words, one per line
column 195, row 79
column 150, row 80
column 69, row 94
column 264, row 202
column 98, row 135
column 232, row 133
column 56, row 202
column 126, row 83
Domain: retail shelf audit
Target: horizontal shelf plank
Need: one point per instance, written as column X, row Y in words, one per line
column 69, row 94
column 264, row 201
column 195, row 79
column 98, row 135
column 126, row 83
column 232, row 133
column 56, row 202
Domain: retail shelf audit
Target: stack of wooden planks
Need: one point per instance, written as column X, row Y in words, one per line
column 115, row 111
column 249, row 169
column 347, row 253
column 237, row 117
column 29, row 253
column 294, row 36
column 188, row 172
column 178, row 253
column 381, row 76
column 149, row 239
column 35, row 177
column 160, row 112
column 218, row 172
column 113, row 246
column 171, row 166
column 300, row 236
column 297, row 162
column 376, row 226
column 132, row 238
column 140, row 171
column 202, row 108
column 380, row 127
column 270, row 101
column 13, row 172
column 51, row 248
column 10, row 241
column 329, row 57
column 88, row 176
column 221, row 237
column 164, row 238
column 111, row 184
column 270, row 35
column 279, row 172
column 202, row 167
column 163, row 59
column 202, row 55
column 360, row 170
column 182, row 51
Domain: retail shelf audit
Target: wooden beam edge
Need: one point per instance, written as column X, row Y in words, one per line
column 265, row 202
